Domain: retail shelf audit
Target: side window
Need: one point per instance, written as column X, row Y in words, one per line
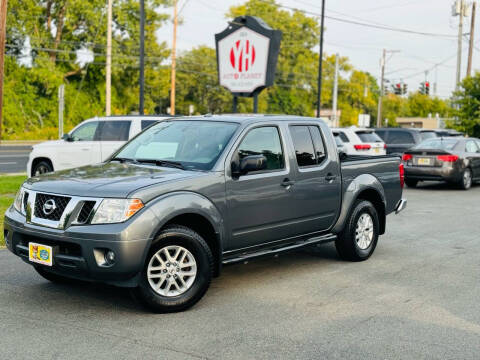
column 114, row 130
column 85, row 132
column 343, row 137
column 147, row 123
column 471, row 147
column 382, row 134
column 302, row 142
column 318, row 143
column 263, row 141
column 400, row 137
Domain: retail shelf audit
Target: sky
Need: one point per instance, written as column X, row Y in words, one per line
column 362, row 45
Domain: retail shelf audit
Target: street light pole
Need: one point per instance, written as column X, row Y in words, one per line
column 320, row 58
column 142, row 57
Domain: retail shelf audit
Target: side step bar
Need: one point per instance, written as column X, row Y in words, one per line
column 273, row 251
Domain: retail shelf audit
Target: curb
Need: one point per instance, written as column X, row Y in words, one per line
column 13, row 174
column 20, row 142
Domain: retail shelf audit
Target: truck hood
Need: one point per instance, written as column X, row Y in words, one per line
column 46, row 144
column 107, row 179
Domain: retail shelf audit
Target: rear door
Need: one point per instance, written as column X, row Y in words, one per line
column 399, row 141
column 316, row 191
column 112, row 135
column 83, row 150
column 259, row 203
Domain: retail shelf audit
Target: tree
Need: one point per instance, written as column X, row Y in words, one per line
column 468, row 100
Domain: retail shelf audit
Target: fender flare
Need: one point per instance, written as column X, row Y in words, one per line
column 360, row 184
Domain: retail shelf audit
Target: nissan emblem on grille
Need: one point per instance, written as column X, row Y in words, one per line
column 49, row 206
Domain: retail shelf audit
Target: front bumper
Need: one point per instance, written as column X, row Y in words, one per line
column 74, row 248
column 444, row 173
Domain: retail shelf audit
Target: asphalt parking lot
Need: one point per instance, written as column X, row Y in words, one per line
column 416, row 298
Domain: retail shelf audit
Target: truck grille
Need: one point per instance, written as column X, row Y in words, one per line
column 60, row 203
column 85, row 212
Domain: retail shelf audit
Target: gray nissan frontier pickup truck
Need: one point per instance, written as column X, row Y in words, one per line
column 189, row 195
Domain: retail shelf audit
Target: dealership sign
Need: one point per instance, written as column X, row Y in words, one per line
column 247, row 53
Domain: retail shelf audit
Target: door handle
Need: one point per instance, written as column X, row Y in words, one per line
column 330, row 177
column 287, row 183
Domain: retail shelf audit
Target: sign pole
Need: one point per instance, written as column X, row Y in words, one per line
column 320, row 60
column 235, row 103
column 61, row 99
column 255, row 103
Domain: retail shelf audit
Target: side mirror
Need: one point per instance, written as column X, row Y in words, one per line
column 249, row 164
column 342, row 154
column 67, row 137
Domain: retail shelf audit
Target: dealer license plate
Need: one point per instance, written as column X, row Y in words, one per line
column 424, row 161
column 40, row 254
column 377, row 150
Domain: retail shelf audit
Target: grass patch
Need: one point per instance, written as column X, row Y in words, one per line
column 9, row 186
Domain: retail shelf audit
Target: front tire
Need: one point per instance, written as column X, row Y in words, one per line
column 43, row 167
column 177, row 272
column 359, row 238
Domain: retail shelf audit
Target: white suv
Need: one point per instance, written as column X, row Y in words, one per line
column 360, row 141
column 90, row 142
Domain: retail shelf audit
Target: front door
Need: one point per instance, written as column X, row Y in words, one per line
column 259, row 203
column 84, row 149
column 316, row 193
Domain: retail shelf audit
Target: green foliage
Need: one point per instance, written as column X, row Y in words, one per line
column 468, row 100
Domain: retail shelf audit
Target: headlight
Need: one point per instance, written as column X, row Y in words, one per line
column 18, row 200
column 116, row 210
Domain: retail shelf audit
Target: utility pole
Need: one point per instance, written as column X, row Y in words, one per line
column 436, row 80
column 383, row 62
column 174, row 48
column 470, row 48
column 142, row 57
column 382, row 90
column 320, row 58
column 108, row 86
column 459, row 9
column 61, row 102
column 3, row 25
column 335, row 93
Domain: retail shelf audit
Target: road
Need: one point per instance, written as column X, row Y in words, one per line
column 13, row 158
column 416, row 298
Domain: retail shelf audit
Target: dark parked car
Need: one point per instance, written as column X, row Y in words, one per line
column 448, row 132
column 189, row 195
column 452, row 159
column 398, row 140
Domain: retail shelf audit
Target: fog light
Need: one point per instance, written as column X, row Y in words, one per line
column 110, row 257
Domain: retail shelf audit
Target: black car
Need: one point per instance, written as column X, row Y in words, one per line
column 399, row 140
column 448, row 132
column 452, row 159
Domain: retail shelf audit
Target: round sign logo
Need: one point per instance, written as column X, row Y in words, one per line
column 242, row 55
column 44, row 255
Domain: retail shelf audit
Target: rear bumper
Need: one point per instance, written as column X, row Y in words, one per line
column 76, row 250
column 444, row 173
column 401, row 205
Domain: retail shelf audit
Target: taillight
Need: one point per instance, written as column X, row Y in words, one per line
column 401, row 170
column 447, row 158
column 385, row 146
column 362, row 147
column 407, row 157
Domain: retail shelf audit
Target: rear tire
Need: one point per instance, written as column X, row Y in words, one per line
column 359, row 238
column 466, row 181
column 411, row 183
column 42, row 167
column 165, row 284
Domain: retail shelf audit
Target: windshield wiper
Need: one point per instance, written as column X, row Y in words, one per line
column 122, row 159
column 167, row 163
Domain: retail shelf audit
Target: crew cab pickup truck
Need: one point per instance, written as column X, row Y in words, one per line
column 189, row 195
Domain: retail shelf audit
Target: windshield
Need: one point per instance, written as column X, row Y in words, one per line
column 428, row 135
column 368, row 137
column 438, row 144
column 193, row 144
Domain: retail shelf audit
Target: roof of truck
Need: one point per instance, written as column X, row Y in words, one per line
column 243, row 118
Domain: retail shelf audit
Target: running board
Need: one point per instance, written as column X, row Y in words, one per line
column 274, row 251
